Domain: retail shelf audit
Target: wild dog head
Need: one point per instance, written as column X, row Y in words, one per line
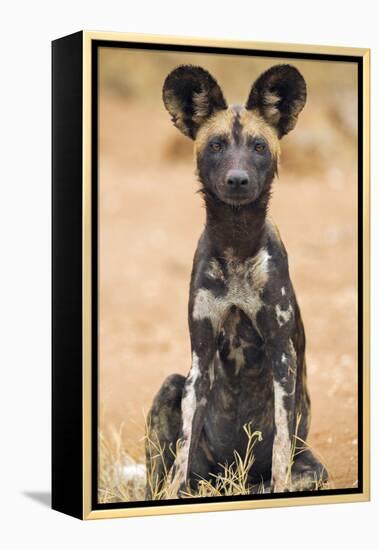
column 237, row 147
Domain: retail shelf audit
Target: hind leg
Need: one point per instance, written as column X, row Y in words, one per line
column 307, row 473
column 163, row 425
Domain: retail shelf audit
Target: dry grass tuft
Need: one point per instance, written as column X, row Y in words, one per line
column 233, row 479
column 123, row 479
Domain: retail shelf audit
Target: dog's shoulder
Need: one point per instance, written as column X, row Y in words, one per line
column 278, row 296
column 275, row 247
column 207, row 271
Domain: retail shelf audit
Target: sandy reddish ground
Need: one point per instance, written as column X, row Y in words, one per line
column 150, row 220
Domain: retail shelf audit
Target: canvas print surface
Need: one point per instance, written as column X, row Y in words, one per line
column 227, row 275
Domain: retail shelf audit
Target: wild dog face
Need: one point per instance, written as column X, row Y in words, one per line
column 237, row 148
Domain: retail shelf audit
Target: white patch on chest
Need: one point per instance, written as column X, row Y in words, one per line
column 283, row 315
column 245, row 281
column 208, row 306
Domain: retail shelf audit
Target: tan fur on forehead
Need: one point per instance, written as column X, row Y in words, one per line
column 255, row 125
column 221, row 123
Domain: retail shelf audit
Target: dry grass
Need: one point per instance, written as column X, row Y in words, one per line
column 123, row 479
column 233, row 479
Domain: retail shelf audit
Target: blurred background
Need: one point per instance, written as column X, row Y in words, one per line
column 151, row 218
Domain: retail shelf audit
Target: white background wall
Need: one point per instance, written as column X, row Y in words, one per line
column 26, row 31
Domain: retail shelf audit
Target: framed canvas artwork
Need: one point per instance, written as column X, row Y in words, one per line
column 210, row 275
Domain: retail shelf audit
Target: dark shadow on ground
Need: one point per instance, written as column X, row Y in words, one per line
column 42, row 497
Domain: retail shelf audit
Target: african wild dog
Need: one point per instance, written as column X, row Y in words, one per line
column 247, row 336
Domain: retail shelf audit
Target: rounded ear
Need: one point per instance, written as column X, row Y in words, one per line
column 279, row 95
column 191, row 95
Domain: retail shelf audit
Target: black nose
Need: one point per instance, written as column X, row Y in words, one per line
column 237, row 178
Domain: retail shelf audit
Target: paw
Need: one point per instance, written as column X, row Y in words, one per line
column 307, row 481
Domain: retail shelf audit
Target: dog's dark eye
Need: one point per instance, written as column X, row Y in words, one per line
column 259, row 147
column 216, row 146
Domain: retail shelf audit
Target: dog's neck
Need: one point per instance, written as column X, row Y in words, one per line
column 239, row 228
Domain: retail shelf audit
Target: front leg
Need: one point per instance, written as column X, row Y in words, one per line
column 277, row 322
column 284, row 369
column 206, row 312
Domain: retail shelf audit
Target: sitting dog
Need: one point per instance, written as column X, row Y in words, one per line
column 247, row 336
